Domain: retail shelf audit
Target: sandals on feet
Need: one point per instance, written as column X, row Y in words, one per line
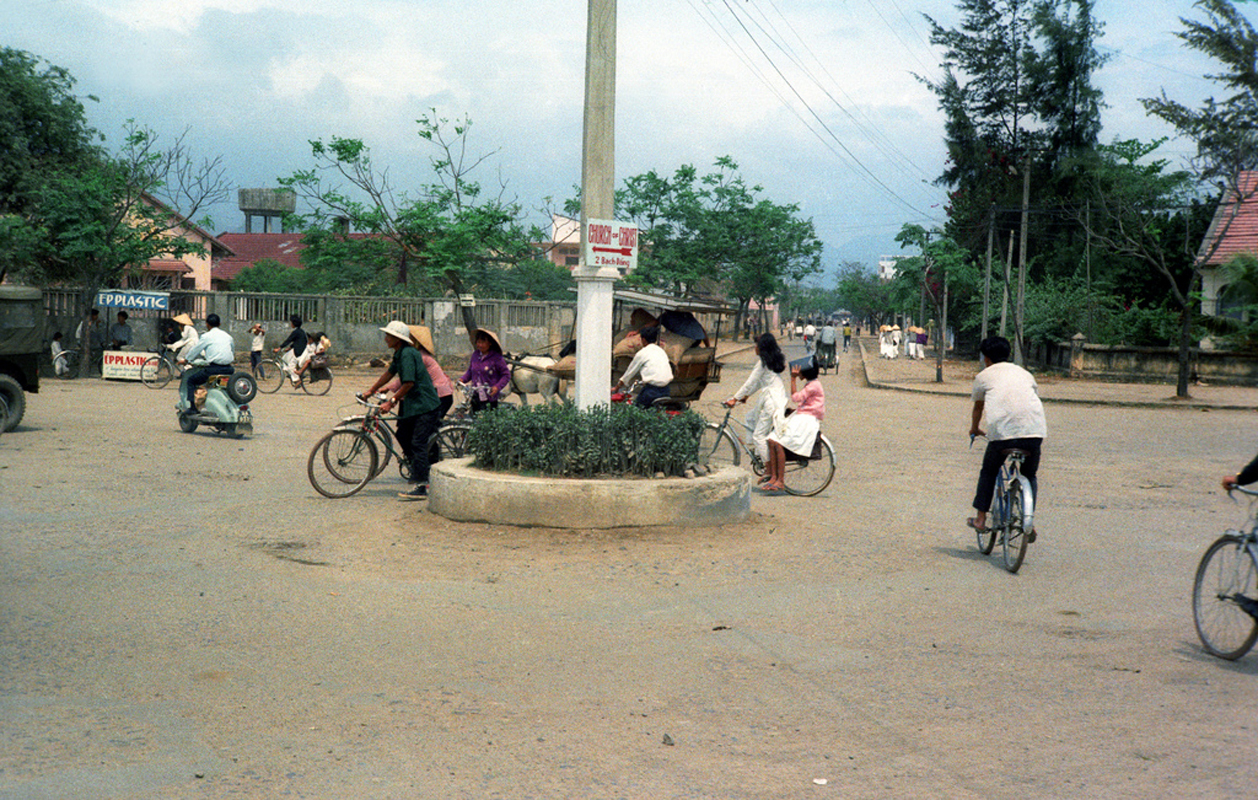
column 969, row 521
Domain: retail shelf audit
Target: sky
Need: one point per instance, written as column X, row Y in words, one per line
column 817, row 101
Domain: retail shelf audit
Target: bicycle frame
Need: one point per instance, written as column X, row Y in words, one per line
column 757, row 464
column 1248, row 535
column 1011, row 479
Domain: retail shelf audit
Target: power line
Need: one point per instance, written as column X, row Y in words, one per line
column 853, row 161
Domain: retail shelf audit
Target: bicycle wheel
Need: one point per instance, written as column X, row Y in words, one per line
column 807, row 478
column 717, row 448
column 341, row 463
column 155, row 372
column 269, row 375
column 450, row 441
column 1012, row 536
column 1226, row 575
column 317, row 380
column 66, row 365
column 384, row 441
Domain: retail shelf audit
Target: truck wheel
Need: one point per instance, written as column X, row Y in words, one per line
column 15, row 398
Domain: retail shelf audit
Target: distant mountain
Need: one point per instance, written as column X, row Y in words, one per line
column 865, row 250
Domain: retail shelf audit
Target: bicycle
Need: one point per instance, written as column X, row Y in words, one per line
column 1225, row 590
column 349, row 457
column 271, row 373
column 1012, row 512
column 159, row 368
column 804, row 476
column 65, row 365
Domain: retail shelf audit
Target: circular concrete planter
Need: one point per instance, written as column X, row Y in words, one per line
column 460, row 492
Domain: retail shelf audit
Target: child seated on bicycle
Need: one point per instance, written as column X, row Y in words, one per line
column 59, row 362
column 1008, row 394
column 802, row 427
column 316, row 344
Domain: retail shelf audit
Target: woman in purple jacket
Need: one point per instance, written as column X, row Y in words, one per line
column 487, row 373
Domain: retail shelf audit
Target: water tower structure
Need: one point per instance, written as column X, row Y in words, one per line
column 270, row 204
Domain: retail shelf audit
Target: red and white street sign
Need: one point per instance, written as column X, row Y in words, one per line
column 609, row 243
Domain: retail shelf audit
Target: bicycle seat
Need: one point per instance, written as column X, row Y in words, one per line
column 1014, row 451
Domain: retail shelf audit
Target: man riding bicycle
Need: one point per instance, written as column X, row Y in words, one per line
column 1015, row 420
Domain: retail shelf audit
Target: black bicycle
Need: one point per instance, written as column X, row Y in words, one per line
column 1225, row 591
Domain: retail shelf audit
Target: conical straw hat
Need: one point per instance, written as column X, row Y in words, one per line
column 422, row 337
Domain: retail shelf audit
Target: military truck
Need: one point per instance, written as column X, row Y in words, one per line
column 21, row 340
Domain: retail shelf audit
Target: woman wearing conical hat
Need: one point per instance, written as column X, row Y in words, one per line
column 188, row 336
column 487, row 371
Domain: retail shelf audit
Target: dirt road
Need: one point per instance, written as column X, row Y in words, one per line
column 184, row 617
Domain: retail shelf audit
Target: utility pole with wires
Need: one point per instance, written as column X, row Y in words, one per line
column 1019, row 313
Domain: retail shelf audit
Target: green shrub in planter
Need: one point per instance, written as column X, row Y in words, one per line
column 562, row 441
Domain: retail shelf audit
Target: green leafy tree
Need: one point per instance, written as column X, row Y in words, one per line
column 72, row 212
column 941, row 260
column 269, row 275
column 447, row 234
column 862, row 292
column 716, row 228
column 1138, row 213
column 119, row 212
column 1017, row 95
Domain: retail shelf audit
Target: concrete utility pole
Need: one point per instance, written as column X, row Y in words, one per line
column 1019, row 313
column 598, row 181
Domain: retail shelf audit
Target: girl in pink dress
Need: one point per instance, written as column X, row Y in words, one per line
column 802, row 427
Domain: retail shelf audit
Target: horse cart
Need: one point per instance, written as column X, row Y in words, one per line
column 683, row 324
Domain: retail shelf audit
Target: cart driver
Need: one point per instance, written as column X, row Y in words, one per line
column 652, row 362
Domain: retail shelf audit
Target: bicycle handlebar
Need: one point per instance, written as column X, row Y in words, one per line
column 1242, row 490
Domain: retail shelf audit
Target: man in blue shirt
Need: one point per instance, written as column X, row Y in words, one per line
column 220, row 353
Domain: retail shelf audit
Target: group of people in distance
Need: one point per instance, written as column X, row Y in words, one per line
column 89, row 333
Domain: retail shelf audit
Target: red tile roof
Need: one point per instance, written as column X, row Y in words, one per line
column 1236, row 226
column 250, row 248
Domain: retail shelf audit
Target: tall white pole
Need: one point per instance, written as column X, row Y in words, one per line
column 598, row 181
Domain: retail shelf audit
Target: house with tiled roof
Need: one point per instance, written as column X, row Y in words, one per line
column 250, row 248
column 1232, row 232
column 193, row 270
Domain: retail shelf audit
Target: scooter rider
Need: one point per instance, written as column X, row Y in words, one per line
column 220, row 353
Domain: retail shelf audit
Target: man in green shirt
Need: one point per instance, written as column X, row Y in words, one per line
column 416, row 402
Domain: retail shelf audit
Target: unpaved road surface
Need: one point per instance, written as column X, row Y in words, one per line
column 183, row 617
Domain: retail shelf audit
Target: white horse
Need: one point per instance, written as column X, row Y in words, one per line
column 529, row 376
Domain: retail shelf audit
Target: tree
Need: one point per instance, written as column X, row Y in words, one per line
column 1017, row 97
column 1138, row 212
column 116, row 213
column 716, row 228
column 864, row 294
column 269, row 275
column 940, row 259
column 1226, row 147
column 43, row 135
column 447, row 233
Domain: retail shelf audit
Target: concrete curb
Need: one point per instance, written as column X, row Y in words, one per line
column 1194, row 405
column 463, row 493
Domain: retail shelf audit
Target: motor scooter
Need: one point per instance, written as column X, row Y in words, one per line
column 226, row 406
